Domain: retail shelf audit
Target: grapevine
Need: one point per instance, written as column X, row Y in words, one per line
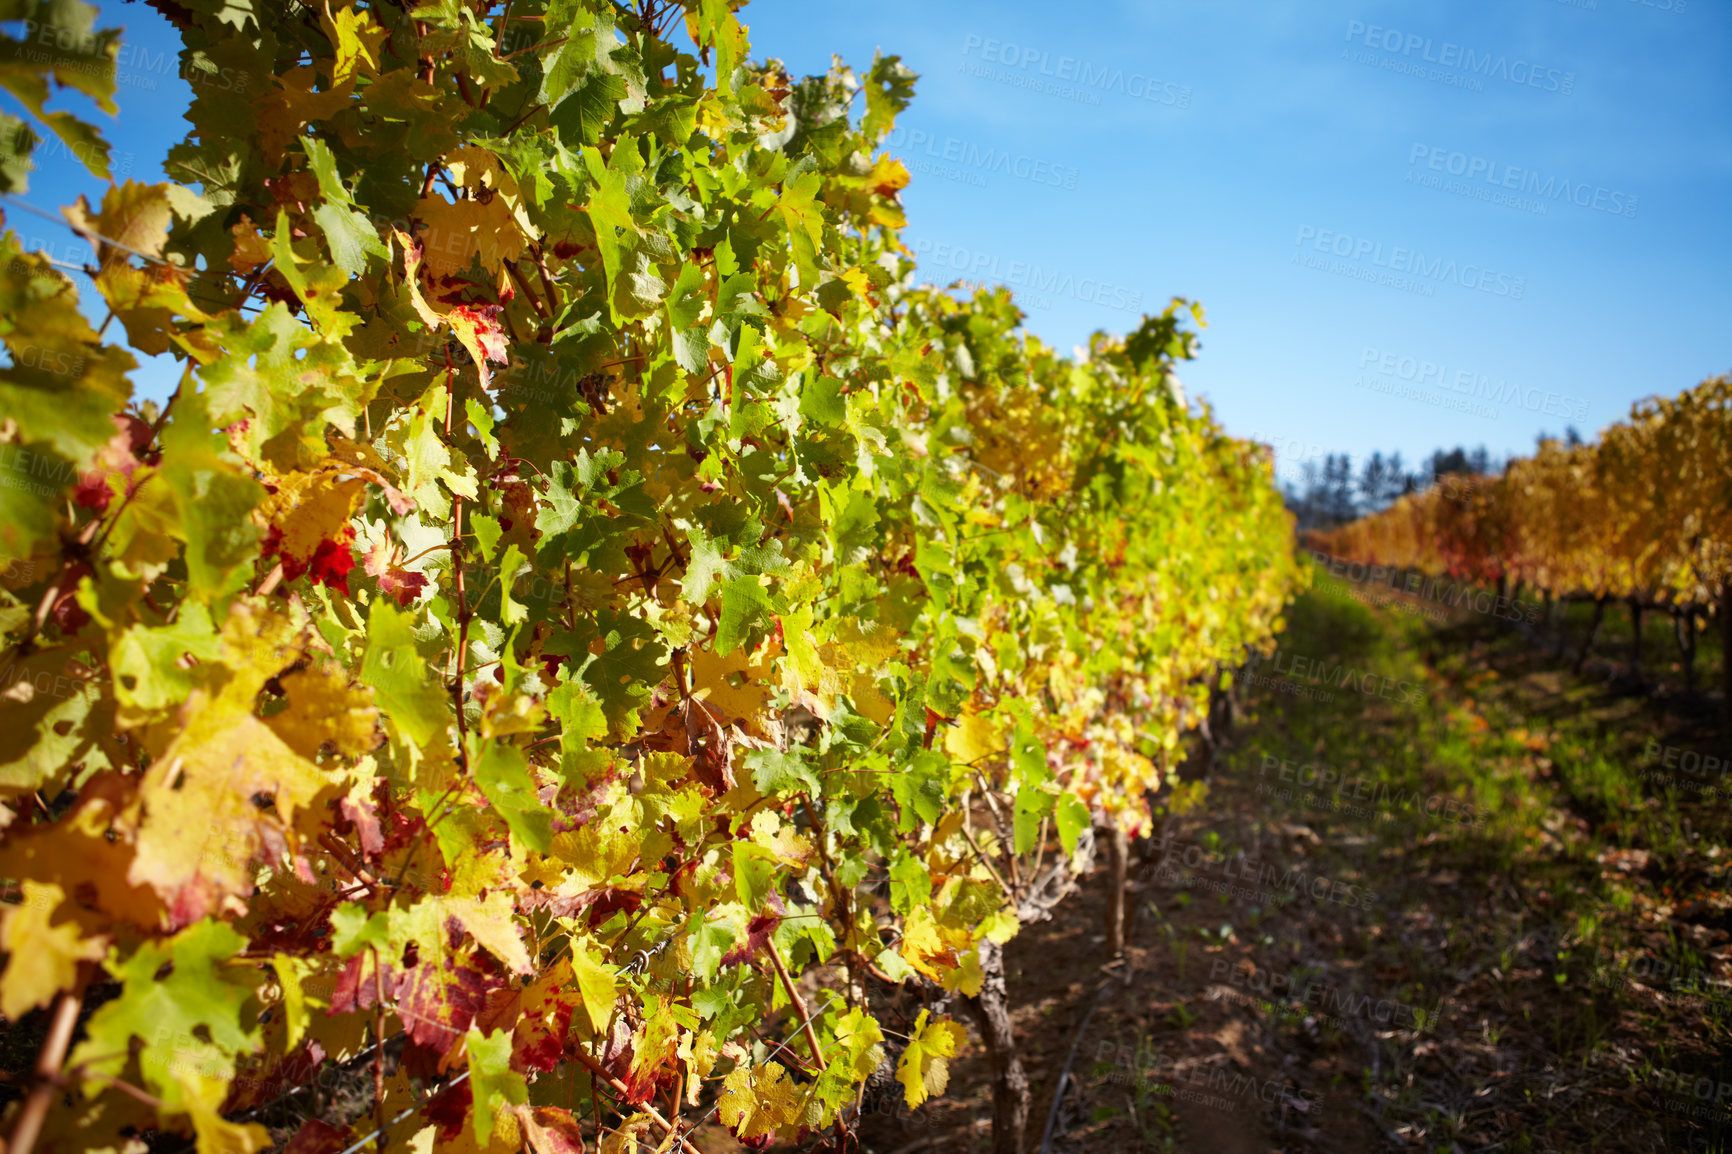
column 1642, row 514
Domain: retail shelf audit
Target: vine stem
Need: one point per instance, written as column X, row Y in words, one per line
column 849, row 937
column 462, row 603
column 48, row 1063
column 379, row 1046
column 799, row 1002
column 618, row 1087
column 987, row 862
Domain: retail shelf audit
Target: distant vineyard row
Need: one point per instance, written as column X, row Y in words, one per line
column 1642, row 514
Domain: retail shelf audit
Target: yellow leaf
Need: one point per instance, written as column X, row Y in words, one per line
column 756, row 1101
column 290, row 970
column 974, row 738
column 713, row 683
column 623, row 1139
column 44, row 957
column 251, row 249
column 133, row 214
column 283, row 112
column 468, row 229
column 227, row 789
column 490, row 921
column 308, row 508
column 325, row 706
column 85, row 854
column 596, row 983
column 217, row 1135
column 935, row 948
column 925, row 1066
column 968, row 976
column 201, row 827
column 357, row 38
column 781, row 838
column 699, row 1053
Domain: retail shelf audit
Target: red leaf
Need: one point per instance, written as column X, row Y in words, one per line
column 449, row 1109
column 758, row 931
column 363, row 815
column 440, row 1004
column 551, row 1130
column 357, row 989
column 317, row 1137
column 477, row 327
column 330, row 564
column 402, row 584
column 116, row 458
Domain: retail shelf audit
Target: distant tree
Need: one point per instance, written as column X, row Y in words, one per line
column 1373, row 478
column 1338, row 474
column 1398, row 482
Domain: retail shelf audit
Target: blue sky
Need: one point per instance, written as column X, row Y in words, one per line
column 1412, row 226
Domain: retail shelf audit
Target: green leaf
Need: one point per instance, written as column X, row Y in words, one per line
column 17, row 143
column 511, row 567
column 33, row 483
column 495, row 1084
column 920, row 787
column 747, row 608
column 189, row 1015
column 354, row 930
column 402, row 684
column 214, row 498
column 150, row 665
column 910, row 883
column 62, row 386
column 503, row 775
column 1033, row 803
column 889, row 90
column 597, row 986
column 1071, row 817
column 754, row 874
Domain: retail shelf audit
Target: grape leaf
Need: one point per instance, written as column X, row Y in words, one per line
column 925, row 1066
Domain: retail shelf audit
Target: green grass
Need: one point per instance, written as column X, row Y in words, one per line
column 1577, row 866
